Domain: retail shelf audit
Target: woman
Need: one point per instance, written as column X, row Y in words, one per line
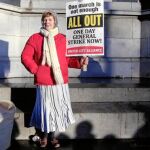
column 44, row 56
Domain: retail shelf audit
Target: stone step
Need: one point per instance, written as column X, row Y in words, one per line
column 23, row 96
column 100, row 125
column 117, row 107
column 122, row 120
column 81, row 90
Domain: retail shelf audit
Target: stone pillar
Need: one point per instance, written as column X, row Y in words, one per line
column 145, row 39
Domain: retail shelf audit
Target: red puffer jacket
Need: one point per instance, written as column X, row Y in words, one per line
column 32, row 56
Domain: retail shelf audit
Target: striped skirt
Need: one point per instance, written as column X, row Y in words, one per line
column 52, row 110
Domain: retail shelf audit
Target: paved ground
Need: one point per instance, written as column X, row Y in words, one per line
column 107, row 144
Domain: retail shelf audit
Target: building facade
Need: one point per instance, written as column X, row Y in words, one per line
column 127, row 37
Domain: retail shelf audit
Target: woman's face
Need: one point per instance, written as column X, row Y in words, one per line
column 49, row 23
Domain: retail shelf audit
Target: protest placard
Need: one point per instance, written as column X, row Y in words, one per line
column 85, row 28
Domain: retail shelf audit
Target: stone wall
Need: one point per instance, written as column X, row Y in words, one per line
column 11, row 2
column 124, row 36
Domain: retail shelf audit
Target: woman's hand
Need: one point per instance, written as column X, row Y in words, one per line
column 84, row 62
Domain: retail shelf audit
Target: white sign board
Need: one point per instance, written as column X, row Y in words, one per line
column 85, row 28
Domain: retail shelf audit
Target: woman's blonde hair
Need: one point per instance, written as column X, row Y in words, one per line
column 49, row 13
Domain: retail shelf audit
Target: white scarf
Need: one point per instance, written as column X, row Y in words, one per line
column 50, row 53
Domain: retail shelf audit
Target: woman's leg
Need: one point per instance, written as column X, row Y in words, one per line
column 51, row 136
column 43, row 137
column 55, row 143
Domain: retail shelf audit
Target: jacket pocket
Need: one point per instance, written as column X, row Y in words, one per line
column 43, row 75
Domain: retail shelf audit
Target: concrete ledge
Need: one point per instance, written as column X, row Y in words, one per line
column 117, row 82
column 120, row 125
column 102, row 107
column 111, row 107
column 122, row 120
